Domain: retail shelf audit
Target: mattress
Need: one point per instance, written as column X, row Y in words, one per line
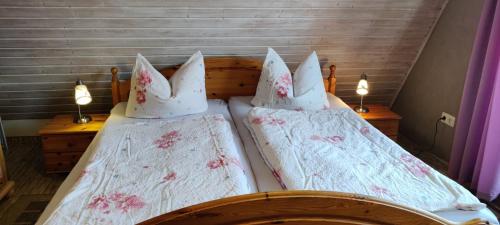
column 239, row 108
column 117, row 117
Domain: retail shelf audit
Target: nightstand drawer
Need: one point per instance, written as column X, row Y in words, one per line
column 67, row 142
column 62, row 156
column 383, row 119
column 64, row 142
column 388, row 127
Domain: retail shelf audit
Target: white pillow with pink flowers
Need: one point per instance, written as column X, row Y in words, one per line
column 153, row 96
column 277, row 89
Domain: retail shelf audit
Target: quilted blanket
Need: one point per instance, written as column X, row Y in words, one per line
column 143, row 169
column 336, row 150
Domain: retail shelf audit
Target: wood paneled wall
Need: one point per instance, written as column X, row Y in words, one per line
column 45, row 45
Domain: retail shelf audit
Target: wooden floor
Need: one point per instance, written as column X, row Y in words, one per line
column 24, row 164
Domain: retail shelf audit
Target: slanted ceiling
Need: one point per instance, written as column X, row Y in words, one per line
column 45, row 45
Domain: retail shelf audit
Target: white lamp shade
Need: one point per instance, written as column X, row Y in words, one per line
column 82, row 95
column 362, row 87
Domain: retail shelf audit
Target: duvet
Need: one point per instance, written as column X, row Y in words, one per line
column 143, row 169
column 336, row 150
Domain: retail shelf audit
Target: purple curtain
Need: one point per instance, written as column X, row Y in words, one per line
column 475, row 158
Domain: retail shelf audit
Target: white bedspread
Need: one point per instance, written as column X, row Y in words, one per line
column 143, row 169
column 337, row 150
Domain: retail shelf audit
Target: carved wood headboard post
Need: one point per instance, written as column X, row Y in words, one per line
column 115, row 86
column 332, row 80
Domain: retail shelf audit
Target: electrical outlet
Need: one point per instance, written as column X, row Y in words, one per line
column 449, row 119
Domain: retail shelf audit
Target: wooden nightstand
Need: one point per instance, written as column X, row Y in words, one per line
column 383, row 119
column 63, row 142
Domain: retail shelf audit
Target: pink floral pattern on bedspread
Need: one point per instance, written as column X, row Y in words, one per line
column 380, row 191
column 168, row 140
column 268, row 119
column 364, row 130
column 169, row 177
column 116, row 202
column 101, row 203
column 329, row 139
column 224, row 161
column 336, row 150
column 125, row 202
column 415, row 166
column 143, row 168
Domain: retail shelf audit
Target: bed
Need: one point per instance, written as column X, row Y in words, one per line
column 219, row 71
column 238, row 76
column 266, row 182
column 117, row 119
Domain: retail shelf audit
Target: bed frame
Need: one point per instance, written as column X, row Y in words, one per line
column 225, row 77
column 239, row 76
column 298, row 207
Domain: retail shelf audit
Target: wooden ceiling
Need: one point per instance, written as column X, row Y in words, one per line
column 45, row 45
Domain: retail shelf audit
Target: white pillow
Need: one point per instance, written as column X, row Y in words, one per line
column 153, row 96
column 277, row 90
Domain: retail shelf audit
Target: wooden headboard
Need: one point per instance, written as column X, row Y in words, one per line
column 225, row 77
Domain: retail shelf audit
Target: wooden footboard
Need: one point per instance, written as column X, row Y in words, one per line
column 298, row 207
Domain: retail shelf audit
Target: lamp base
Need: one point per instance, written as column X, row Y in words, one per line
column 361, row 109
column 82, row 119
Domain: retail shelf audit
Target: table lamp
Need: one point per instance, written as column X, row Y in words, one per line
column 362, row 90
column 82, row 97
